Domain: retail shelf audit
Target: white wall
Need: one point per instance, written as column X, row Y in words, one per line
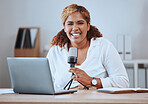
column 112, row 17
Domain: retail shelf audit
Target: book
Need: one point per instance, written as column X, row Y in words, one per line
column 27, row 40
column 123, row 90
column 19, row 38
column 33, row 33
column 23, row 38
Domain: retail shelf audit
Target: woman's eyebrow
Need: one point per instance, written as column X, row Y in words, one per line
column 81, row 21
column 73, row 21
column 69, row 21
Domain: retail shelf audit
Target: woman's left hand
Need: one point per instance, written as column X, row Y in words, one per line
column 81, row 76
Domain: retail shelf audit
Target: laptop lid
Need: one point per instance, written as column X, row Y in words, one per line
column 31, row 75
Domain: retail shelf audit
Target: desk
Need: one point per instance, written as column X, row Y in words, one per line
column 80, row 97
column 135, row 64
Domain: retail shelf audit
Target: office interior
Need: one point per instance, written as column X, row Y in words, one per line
column 116, row 20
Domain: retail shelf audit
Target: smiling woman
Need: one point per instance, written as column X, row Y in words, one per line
column 61, row 38
column 76, row 29
column 99, row 64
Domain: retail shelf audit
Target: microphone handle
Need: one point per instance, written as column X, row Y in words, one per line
column 72, row 65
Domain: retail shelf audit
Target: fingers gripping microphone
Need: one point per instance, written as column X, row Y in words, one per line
column 73, row 56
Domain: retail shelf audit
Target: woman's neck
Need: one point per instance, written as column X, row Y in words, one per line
column 81, row 45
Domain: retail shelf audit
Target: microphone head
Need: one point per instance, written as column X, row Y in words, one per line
column 73, row 52
column 73, row 55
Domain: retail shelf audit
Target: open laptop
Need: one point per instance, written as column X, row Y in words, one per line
column 33, row 76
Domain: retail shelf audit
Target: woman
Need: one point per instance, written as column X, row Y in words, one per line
column 99, row 64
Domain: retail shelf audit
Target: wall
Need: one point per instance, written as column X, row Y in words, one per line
column 112, row 17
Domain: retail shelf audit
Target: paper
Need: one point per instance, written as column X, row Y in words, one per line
column 6, row 91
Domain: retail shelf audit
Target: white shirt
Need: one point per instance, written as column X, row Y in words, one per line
column 102, row 61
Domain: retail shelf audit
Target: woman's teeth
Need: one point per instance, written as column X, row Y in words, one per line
column 76, row 34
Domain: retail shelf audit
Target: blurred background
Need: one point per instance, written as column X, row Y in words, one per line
column 112, row 17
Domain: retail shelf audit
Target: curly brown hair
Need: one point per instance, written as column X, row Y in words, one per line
column 61, row 38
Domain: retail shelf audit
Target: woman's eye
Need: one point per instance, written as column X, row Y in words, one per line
column 70, row 24
column 80, row 23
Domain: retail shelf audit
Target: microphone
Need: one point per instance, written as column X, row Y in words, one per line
column 73, row 56
column 72, row 60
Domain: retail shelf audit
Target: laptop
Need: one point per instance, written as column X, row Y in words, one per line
column 32, row 76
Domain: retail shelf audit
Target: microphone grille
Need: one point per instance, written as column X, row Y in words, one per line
column 73, row 51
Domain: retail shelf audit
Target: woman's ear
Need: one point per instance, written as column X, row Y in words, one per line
column 88, row 27
column 64, row 29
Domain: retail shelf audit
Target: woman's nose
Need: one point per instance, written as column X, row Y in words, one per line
column 75, row 27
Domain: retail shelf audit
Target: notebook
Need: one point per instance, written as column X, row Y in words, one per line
column 32, row 76
column 113, row 90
